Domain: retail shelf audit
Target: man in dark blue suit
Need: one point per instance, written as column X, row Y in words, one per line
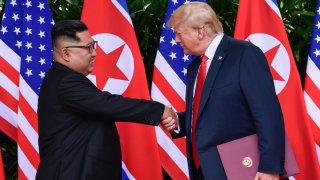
column 230, row 94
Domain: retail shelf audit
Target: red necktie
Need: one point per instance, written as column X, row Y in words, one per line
column 196, row 102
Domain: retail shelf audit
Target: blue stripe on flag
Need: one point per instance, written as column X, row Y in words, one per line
column 275, row 2
column 124, row 175
column 124, row 5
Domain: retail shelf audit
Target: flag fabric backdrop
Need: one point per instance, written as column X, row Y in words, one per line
column 2, row 175
column 169, row 87
column 312, row 80
column 260, row 22
column 25, row 56
column 119, row 69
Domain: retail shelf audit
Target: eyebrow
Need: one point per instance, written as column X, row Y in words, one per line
column 90, row 42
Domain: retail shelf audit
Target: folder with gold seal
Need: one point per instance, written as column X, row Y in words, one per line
column 240, row 158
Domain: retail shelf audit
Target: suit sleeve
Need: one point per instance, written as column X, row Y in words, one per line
column 182, row 125
column 257, row 86
column 79, row 95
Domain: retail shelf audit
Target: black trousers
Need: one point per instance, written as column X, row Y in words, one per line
column 197, row 175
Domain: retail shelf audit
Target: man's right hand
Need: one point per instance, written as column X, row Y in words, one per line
column 169, row 119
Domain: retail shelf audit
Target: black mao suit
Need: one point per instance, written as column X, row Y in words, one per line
column 78, row 138
column 238, row 99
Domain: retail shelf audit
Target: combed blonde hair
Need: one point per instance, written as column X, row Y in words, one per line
column 196, row 15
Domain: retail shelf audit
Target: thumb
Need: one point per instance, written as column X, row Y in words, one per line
column 256, row 177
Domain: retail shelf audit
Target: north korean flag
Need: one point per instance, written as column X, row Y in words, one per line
column 119, row 69
column 260, row 22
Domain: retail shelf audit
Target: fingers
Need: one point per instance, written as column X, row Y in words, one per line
column 169, row 118
column 266, row 176
column 169, row 124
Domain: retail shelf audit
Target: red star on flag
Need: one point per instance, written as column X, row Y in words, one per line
column 105, row 66
column 270, row 54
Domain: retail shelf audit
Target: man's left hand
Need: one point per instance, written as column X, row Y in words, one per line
column 266, row 176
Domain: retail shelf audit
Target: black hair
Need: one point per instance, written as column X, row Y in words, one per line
column 68, row 29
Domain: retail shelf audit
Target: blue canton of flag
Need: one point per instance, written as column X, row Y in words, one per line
column 26, row 29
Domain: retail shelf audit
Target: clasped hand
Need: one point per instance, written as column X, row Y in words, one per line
column 169, row 120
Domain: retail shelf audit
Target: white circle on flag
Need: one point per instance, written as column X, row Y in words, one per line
column 108, row 43
column 281, row 60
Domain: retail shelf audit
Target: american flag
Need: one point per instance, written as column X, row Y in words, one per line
column 169, row 87
column 25, row 56
column 312, row 80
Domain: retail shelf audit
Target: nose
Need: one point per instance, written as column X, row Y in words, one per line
column 94, row 52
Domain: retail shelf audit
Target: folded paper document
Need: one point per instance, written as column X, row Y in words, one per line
column 240, row 158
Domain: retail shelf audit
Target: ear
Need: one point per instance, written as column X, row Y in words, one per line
column 201, row 33
column 65, row 54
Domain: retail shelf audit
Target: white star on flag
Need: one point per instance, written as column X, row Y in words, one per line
column 173, row 55
column 41, row 20
column 317, row 52
column 173, row 42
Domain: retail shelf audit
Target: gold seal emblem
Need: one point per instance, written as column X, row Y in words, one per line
column 247, row 162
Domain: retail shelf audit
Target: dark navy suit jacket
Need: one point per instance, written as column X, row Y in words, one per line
column 238, row 99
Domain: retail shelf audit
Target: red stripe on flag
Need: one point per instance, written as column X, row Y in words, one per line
column 28, row 149
column 315, row 131
column 180, row 142
column 21, row 175
column 29, row 113
column 8, row 100
column 170, row 166
column 9, row 71
column 2, row 175
column 8, row 129
column 173, row 97
column 312, row 90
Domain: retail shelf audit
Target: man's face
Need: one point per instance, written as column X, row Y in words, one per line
column 81, row 54
column 187, row 38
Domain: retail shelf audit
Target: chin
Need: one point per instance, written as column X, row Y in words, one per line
column 90, row 68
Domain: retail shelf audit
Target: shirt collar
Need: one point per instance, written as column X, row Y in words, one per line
column 211, row 50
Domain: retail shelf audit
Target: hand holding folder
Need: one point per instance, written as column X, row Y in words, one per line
column 240, row 158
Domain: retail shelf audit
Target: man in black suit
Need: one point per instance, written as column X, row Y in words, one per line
column 230, row 94
column 78, row 138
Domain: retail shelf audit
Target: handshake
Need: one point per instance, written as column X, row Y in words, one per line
column 169, row 120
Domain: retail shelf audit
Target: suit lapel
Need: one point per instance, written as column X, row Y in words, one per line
column 192, row 73
column 213, row 71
